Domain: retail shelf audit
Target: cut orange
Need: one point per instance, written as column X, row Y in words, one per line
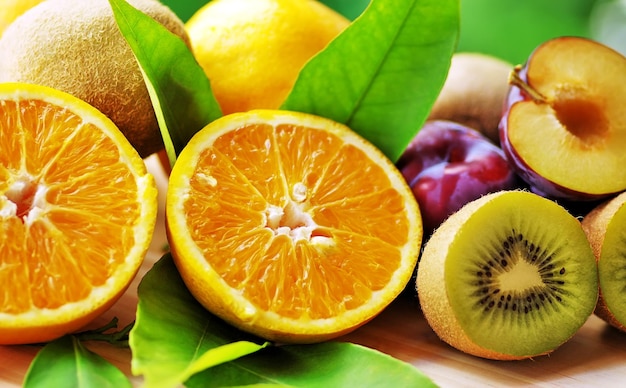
column 290, row 226
column 77, row 212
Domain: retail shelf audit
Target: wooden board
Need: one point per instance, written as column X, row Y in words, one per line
column 595, row 356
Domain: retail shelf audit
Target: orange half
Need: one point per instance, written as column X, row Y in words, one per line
column 77, row 212
column 290, row 226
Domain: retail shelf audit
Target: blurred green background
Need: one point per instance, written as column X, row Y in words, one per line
column 508, row 29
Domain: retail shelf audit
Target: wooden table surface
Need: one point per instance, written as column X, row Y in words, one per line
column 595, row 356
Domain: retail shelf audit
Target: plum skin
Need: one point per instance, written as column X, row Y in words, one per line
column 448, row 165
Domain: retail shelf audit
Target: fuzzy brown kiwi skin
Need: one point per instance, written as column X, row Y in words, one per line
column 595, row 225
column 76, row 47
column 474, row 93
column 447, row 326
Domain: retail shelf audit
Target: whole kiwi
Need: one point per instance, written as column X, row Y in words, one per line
column 509, row 276
column 76, row 47
column 474, row 92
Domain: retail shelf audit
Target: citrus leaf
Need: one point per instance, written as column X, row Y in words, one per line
column 179, row 89
column 65, row 362
column 175, row 340
column 349, row 9
column 174, row 336
column 382, row 74
column 329, row 364
column 185, row 9
column 219, row 355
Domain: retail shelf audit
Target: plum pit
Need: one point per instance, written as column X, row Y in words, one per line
column 582, row 117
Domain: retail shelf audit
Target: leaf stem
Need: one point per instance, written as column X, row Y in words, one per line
column 116, row 338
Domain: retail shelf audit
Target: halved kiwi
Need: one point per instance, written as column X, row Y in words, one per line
column 509, row 276
column 605, row 230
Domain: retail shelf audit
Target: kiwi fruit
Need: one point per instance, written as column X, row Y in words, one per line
column 77, row 47
column 604, row 227
column 474, row 93
column 509, row 276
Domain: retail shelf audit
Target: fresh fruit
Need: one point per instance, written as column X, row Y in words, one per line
column 604, row 227
column 77, row 212
column 290, row 226
column 12, row 9
column 474, row 93
column 253, row 50
column 564, row 128
column 509, row 276
column 448, row 165
column 76, row 47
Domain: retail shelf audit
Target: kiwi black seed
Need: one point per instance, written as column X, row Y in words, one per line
column 509, row 276
column 492, row 296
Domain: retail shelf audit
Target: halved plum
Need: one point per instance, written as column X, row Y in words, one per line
column 564, row 123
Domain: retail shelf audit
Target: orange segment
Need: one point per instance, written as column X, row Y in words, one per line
column 290, row 226
column 77, row 212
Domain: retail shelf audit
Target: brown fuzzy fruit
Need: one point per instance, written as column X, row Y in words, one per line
column 76, row 47
column 605, row 230
column 474, row 93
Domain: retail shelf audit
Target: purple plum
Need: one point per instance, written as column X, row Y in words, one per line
column 448, row 165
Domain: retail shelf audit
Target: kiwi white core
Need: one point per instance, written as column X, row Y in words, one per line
column 523, row 276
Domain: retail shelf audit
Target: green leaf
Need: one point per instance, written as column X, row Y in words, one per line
column 107, row 333
column 175, row 340
column 185, row 9
column 174, row 336
column 382, row 74
column 330, row 364
column 67, row 363
column 179, row 89
column 350, row 9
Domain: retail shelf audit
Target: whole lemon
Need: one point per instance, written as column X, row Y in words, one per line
column 11, row 9
column 253, row 50
column 77, row 47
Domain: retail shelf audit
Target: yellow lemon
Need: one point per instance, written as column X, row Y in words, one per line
column 253, row 50
column 11, row 9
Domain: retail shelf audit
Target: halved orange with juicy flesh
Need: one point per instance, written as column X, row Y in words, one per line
column 290, row 226
column 77, row 212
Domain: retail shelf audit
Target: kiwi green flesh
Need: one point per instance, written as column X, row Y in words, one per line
column 521, row 276
column 612, row 266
